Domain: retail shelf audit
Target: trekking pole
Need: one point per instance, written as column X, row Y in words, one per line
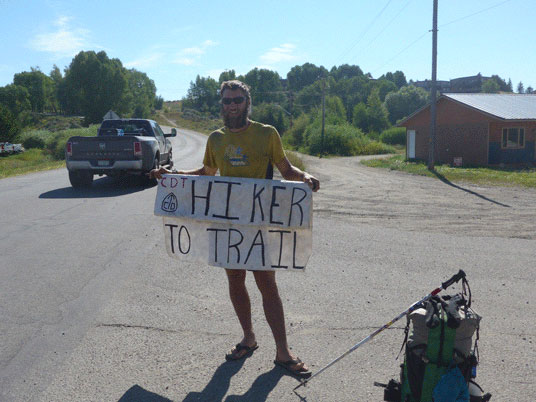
column 413, row 307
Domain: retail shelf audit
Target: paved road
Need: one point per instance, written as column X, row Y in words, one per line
column 92, row 308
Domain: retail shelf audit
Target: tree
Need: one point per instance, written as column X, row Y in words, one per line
column 503, row 86
column 398, row 78
column 309, row 97
column 16, row 98
column 377, row 113
column 40, row 88
column 57, row 78
column 510, row 87
column 529, row 90
column 158, row 103
column 95, row 84
column 345, row 72
column 360, row 116
column 271, row 114
column 265, row 86
column 520, row 88
column 384, row 87
column 491, row 87
column 351, row 91
column 141, row 94
column 227, row 75
column 335, row 110
column 302, row 76
column 203, row 96
column 404, row 102
column 9, row 126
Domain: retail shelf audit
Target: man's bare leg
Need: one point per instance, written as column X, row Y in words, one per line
column 273, row 310
column 242, row 306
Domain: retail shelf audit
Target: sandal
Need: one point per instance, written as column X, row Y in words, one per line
column 241, row 352
column 294, row 371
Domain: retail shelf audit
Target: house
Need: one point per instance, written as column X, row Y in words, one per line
column 476, row 129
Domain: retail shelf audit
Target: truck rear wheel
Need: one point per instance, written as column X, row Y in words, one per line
column 80, row 178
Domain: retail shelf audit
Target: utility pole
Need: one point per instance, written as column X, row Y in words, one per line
column 323, row 116
column 433, row 92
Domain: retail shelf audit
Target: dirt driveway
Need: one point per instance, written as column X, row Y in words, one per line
column 355, row 192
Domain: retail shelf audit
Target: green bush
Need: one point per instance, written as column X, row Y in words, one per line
column 338, row 139
column 344, row 140
column 34, row 138
column 394, row 135
column 56, row 143
column 294, row 136
column 375, row 148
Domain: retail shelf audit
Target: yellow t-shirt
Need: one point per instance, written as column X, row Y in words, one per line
column 249, row 153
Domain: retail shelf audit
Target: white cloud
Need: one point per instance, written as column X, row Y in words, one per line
column 190, row 55
column 193, row 50
column 209, row 43
column 145, row 62
column 278, row 54
column 185, row 61
column 64, row 41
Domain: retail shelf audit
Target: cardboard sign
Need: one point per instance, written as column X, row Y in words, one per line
column 236, row 223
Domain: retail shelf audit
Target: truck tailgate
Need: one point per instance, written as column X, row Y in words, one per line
column 103, row 148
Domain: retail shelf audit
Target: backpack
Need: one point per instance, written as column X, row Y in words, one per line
column 440, row 355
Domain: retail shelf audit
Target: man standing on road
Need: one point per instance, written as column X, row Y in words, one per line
column 245, row 148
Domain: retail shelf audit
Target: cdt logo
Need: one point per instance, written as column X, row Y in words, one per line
column 169, row 204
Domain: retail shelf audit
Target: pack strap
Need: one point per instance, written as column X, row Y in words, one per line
column 406, row 334
column 466, row 291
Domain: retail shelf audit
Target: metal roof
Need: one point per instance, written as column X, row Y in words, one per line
column 503, row 106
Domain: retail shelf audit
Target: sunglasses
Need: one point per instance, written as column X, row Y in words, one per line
column 237, row 100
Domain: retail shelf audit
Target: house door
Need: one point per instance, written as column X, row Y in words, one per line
column 411, row 144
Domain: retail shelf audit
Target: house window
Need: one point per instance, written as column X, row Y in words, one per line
column 513, row 137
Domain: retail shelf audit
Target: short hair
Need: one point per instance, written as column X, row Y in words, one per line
column 234, row 85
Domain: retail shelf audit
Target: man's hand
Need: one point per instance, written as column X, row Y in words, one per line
column 157, row 173
column 311, row 181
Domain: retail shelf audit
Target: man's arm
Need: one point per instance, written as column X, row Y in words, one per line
column 202, row 171
column 290, row 172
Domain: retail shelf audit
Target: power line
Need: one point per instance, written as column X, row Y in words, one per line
column 402, row 51
column 386, row 26
column 443, row 25
column 478, row 12
column 366, row 29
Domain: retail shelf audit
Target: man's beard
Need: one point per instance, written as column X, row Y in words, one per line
column 234, row 122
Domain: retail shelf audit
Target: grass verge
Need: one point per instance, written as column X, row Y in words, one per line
column 523, row 177
column 30, row 161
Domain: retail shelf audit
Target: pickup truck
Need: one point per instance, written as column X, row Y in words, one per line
column 122, row 146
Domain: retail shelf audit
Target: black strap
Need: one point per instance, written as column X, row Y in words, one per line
column 406, row 333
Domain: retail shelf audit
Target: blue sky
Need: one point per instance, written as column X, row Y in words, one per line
column 173, row 41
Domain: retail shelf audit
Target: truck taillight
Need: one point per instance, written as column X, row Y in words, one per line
column 137, row 148
column 69, row 148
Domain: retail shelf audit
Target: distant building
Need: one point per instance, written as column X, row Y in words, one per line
column 476, row 129
column 442, row 86
column 472, row 84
